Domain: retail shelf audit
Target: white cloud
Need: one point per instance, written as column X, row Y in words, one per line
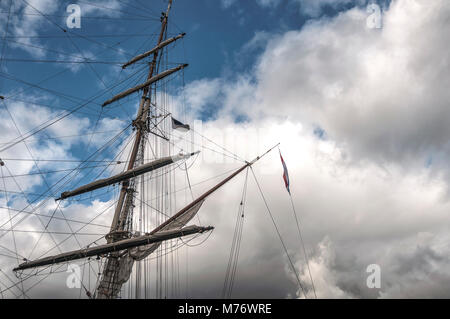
column 110, row 8
column 381, row 97
column 263, row 3
column 268, row 3
column 368, row 89
column 227, row 3
column 314, row 8
column 27, row 20
column 322, row 272
column 27, row 117
column 311, row 8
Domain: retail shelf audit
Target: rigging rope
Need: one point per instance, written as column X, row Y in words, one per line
column 6, row 33
column 59, row 118
column 43, row 202
column 279, row 235
column 303, row 245
column 235, row 246
column 298, row 227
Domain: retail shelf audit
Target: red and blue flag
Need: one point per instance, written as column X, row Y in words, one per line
column 285, row 174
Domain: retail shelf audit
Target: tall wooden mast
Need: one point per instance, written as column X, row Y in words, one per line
column 109, row 285
column 121, row 212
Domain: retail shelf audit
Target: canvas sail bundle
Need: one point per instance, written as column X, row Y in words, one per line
column 113, row 247
column 125, row 263
column 139, row 253
column 126, row 175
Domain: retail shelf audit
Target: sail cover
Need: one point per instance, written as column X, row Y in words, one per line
column 126, row 175
column 140, row 253
column 106, row 290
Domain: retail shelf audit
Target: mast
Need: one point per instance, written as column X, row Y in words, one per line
column 110, row 283
column 140, row 125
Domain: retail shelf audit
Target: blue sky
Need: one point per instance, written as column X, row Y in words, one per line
column 216, row 34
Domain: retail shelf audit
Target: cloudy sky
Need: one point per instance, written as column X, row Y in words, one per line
column 361, row 114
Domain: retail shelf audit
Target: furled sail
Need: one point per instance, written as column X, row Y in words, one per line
column 124, row 263
column 117, row 246
column 126, row 175
column 141, row 252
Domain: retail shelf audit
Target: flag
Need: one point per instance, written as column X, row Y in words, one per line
column 285, row 174
column 177, row 125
